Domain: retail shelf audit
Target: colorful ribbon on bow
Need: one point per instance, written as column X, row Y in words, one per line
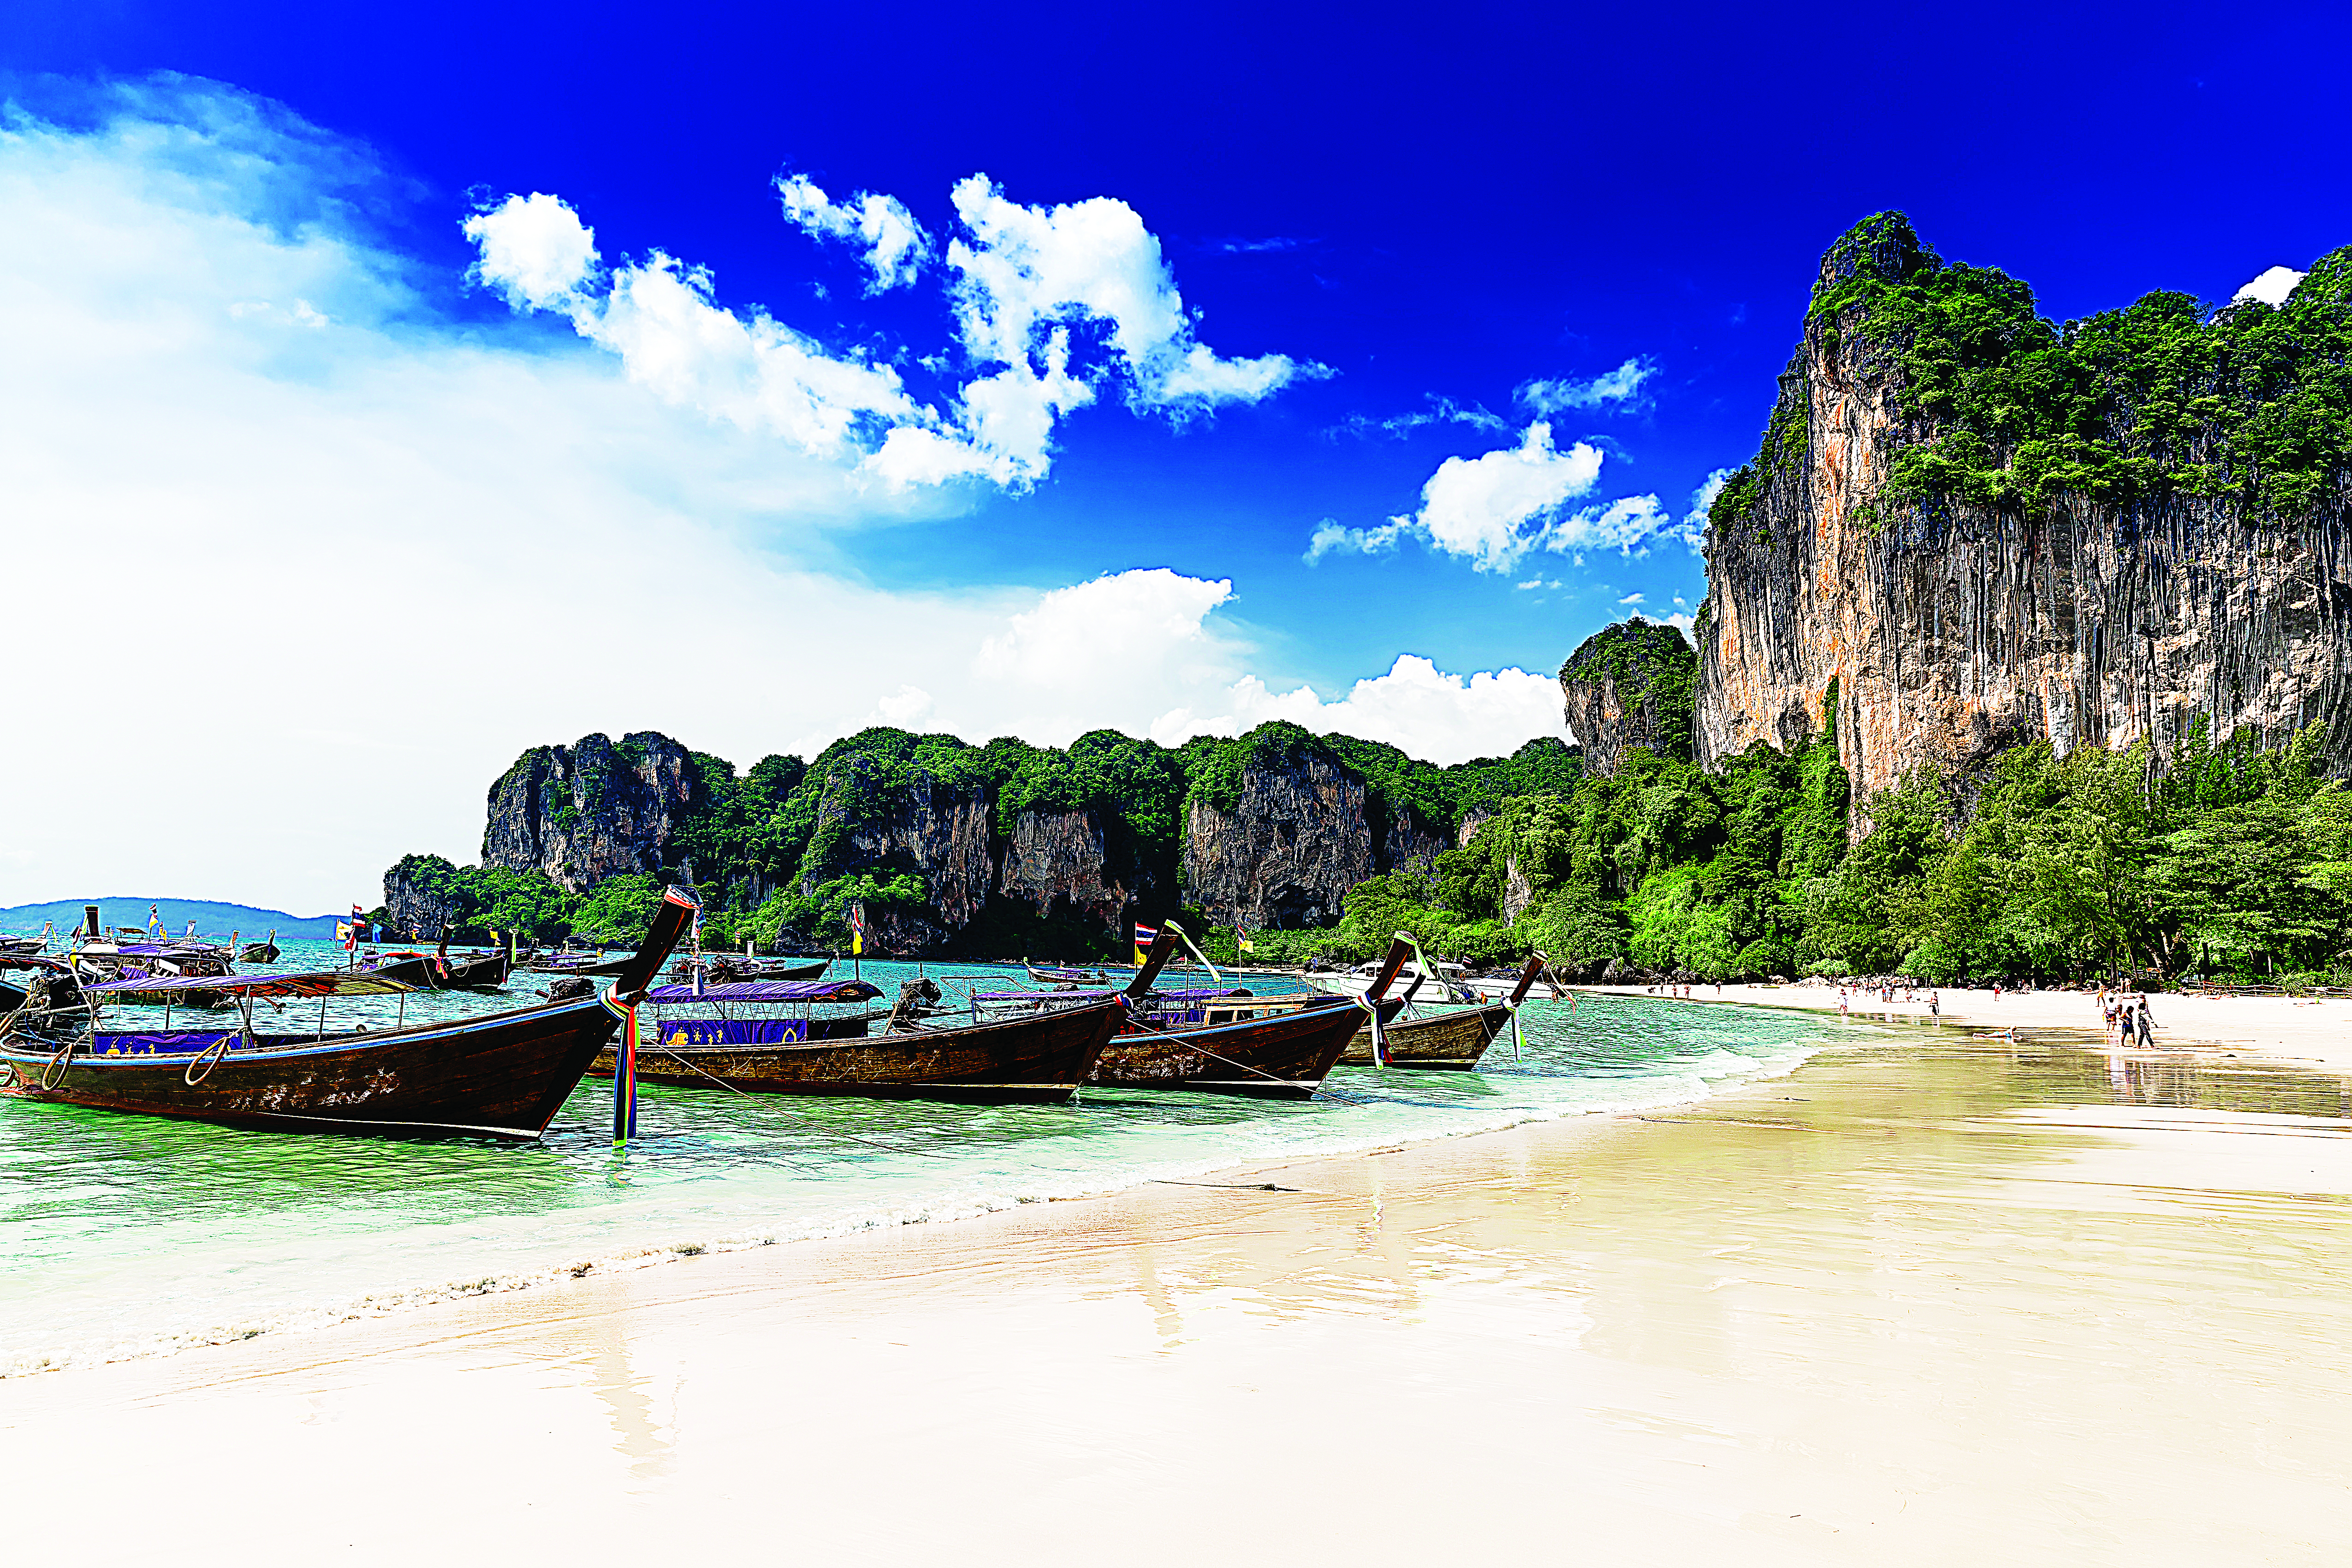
column 625, row 1066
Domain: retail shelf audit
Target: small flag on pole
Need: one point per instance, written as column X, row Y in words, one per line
column 1144, row 937
column 857, row 929
column 1246, row 945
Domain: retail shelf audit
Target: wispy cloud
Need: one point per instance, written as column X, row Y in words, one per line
column 1620, row 387
column 1237, row 246
column 1630, row 599
column 1332, row 537
column 1442, row 410
column 896, row 246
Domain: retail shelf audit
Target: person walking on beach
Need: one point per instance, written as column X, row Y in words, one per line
column 1842, row 1002
column 1936, row 1008
column 2147, row 1025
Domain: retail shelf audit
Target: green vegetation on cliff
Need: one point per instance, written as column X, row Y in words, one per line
column 2006, row 408
column 788, row 846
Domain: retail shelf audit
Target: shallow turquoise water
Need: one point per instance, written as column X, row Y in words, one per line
column 124, row 1234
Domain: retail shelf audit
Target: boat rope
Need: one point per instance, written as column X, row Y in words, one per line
column 10, row 1080
column 1178, row 1035
column 220, row 1045
column 57, row 1065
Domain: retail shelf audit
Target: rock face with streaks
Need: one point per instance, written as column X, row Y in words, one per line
column 1943, row 633
column 1630, row 686
column 592, row 810
column 1287, row 849
column 1072, row 866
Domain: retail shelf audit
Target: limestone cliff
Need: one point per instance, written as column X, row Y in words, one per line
column 1070, row 865
column 934, row 829
column 999, row 849
column 1286, row 849
column 1964, row 564
column 592, row 810
column 1629, row 685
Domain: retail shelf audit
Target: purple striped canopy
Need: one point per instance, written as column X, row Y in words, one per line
column 328, row 983
column 770, row 991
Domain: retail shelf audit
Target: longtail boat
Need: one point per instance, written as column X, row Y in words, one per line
column 503, row 1075
column 1049, row 975
column 1220, row 1040
column 1449, row 1039
column 765, row 1036
column 171, row 963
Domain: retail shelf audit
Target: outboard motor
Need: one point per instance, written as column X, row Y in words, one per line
column 917, row 999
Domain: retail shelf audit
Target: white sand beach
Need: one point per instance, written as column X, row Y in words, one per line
column 2317, row 1032
column 1933, row 1297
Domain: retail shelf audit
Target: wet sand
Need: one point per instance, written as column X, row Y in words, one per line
column 1931, row 1299
column 2315, row 1032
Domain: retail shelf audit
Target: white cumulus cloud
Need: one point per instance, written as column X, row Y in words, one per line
column 2272, row 286
column 535, row 250
column 894, row 243
column 1497, row 507
column 1026, row 273
column 1024, row 277
column 1622, row 385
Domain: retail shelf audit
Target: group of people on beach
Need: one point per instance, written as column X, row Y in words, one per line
column 1886, row 997
column 2127, row 1017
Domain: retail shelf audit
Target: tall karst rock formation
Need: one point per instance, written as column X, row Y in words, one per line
column 1975, row 527
column 1630, row 685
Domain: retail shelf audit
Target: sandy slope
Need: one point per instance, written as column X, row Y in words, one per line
column 2317, row 1033
column 1934, row 1297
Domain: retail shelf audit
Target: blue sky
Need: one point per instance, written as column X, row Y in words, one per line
column 1401, row 241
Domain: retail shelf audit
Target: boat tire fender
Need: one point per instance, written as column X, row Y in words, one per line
column 57, row 1065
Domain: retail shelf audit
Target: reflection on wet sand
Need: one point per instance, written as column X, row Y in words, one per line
column 1934, row 1298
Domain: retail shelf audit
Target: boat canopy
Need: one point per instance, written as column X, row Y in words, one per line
column 328, row 983
column 1204, row 994
column 770, row 991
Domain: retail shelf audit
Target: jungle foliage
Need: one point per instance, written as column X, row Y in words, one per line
column 2235, row 863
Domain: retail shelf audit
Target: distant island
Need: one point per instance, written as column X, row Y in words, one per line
column 212, row 918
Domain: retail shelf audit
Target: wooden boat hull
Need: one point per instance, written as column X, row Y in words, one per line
column 485, row 972
column 1451, row 1041
column 503, row 1076
column 1040, row 1059
column 1283, row 1056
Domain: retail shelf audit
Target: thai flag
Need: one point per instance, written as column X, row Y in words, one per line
column 1146, row 935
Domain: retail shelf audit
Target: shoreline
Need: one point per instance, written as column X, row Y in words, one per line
column 1927, row 1298
column 2310, row 1033
column 656, row 1244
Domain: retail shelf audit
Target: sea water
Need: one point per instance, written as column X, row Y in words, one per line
column 124, row 1236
